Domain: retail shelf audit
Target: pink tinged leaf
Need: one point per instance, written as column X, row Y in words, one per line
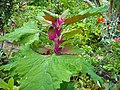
column 48, row 52
column 44, row 51
column 69, row 49
column 59, row 22
column 52, row 33
column 66, row 49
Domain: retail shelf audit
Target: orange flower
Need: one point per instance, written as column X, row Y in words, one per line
column 100, row 19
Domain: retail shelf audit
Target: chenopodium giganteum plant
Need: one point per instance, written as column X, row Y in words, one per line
column 41, row 72
column 54, row 32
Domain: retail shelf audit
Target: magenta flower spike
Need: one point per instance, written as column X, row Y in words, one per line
column 54, row 34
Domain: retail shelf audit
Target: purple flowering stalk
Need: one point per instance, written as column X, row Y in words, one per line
column 55, row 30
column 54, row 34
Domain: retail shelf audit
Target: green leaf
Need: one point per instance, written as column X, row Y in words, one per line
column 42, row 20
column 69, row 41
column 67, row 86
column 70, row 49
column 28, row 28
column 30, row 39
column 110, row 86
column 64, row 14
column 86, row 13
column 11, row 83
column 3, row 84
column 71, row 33
column 40, row 72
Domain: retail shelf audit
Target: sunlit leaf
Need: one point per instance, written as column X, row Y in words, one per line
column 30, row 39
column 86, row 13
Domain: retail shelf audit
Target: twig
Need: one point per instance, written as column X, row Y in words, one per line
column 89, row 3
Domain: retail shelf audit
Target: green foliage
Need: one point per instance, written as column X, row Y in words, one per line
column 75, row 6
column 108, row 64
column 70, row 49
column 7, row 86
column 11, row 83
column 6, row 11
column 3, row 84
column 86, row 13
column 28, row 28
column 71, row 34
column 66, row 86
column 23, row 13
column 46, row 71
column 30, row 39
